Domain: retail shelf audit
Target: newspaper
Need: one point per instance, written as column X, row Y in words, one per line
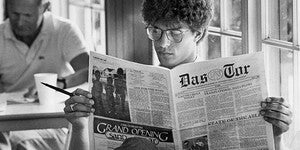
column 209, row 105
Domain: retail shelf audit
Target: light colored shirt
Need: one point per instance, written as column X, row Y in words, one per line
column 58, row 42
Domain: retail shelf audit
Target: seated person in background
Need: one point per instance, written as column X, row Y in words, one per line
column 97, row 91
column 33, row 40
column 176, row 28
column 120, row 85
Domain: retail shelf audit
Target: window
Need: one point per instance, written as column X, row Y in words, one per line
column 90, row 17
column 225, row 30
column 280, row 41
column 272, row 26
column 1, row 10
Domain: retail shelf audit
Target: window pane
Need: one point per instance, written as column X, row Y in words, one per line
column 79, row 1
column 282, row 75
column 236, row 47
column 281, row 19
column 96, row 1
column 214, row 46
column 288, row 85
column 1, row 11
column 215, row 22
column 91, row 22
column 88, row 3
column 76, row 14
column 82, row 17
column 234, row 16
column 287, row 73
column 98, row 33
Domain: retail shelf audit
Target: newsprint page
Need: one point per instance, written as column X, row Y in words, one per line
column 209, row 105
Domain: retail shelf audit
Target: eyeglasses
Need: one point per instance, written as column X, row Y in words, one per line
column 174, row 35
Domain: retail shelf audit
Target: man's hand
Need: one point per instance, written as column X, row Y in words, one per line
column 78, row 108
column 31, row 95
column 276, row 111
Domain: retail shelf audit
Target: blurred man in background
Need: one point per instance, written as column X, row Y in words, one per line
column 33, row 40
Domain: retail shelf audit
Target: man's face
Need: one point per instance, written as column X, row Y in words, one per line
column 170, row 53
column 25, row 16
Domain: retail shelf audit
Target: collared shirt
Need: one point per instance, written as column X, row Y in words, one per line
column 58, row 42
column 196, row 60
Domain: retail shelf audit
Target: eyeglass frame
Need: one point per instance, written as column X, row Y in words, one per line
column 167, row 33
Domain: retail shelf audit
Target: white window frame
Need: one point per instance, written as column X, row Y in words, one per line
column 89, row 7
column 1, row 10
column 274, row 70
column 250, row 28
column 255, row 38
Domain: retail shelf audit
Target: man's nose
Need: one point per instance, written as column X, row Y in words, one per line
column 164, row 40
column 21, row 21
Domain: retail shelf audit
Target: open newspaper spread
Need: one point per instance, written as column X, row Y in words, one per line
column 209, row 105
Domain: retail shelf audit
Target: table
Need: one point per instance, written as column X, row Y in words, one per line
column 27, row 116
column 32, row 116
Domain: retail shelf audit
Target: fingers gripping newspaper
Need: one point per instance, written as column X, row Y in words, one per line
column 209, row 105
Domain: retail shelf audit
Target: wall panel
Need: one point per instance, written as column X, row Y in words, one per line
column 126, row 36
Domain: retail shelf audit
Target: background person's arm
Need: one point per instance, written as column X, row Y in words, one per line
column 80, row 65
column 75, row 51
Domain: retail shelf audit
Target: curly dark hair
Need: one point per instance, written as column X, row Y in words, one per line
column 195, row 13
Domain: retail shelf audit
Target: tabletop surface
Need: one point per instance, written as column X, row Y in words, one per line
column 22, row 109
column 22, row 115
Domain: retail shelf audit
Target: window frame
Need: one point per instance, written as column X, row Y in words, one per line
column 275, row 81
column 89, row 9
column 1, row 10
column 224, row 31
column 255, row 37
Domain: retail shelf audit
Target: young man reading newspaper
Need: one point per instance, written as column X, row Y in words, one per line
column 175, row 27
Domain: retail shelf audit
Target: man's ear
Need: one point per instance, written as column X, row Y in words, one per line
column 198, row 36
column 46, row 6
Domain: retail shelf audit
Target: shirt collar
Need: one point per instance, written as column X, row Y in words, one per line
column 47, row 24
column 196, row 60
column 8, row 34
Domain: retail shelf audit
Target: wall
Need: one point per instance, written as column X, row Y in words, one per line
column 126, row 34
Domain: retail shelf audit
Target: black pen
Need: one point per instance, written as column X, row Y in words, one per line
column 58, row 89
